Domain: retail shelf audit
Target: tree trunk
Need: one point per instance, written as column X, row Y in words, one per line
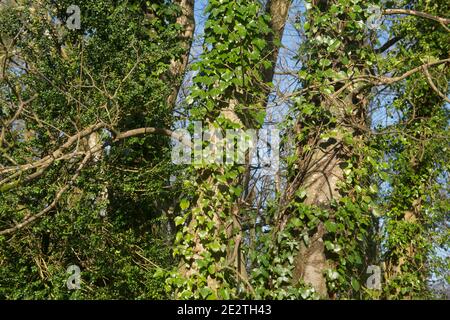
column 278, row 9
column 178, row 66
column 322, row 166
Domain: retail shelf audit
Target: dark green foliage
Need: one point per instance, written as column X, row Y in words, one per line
column 111, row 70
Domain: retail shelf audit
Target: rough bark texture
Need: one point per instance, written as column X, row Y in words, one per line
column 321, row 177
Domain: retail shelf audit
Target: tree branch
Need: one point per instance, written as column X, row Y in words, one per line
column 388, row 44
column 59, row 194
column 59, row 154
column 433, row 86
column 443, row 21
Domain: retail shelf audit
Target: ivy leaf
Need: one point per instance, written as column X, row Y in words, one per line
column 324, row 62
column 260, row 116
column 205, row 292
column 189, row 100
column 184, row 204
column 334, row 46
column 215, row 246
column 355, row 284
column 306, row 26
column 330, row 226
column 179, row 220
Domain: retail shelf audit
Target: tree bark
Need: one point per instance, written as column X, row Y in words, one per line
column 178, row 66
column 278, row 11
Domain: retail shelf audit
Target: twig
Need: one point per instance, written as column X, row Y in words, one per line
column 53, row 204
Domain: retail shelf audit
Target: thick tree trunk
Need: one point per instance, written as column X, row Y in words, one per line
column 320, row 183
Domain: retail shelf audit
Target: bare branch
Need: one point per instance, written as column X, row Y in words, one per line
column 443, row 21
column 59, row 154
column 433, row 86
column 53, row 204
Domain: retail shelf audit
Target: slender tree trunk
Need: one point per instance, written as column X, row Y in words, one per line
column 278, row 10
column 178, row 66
